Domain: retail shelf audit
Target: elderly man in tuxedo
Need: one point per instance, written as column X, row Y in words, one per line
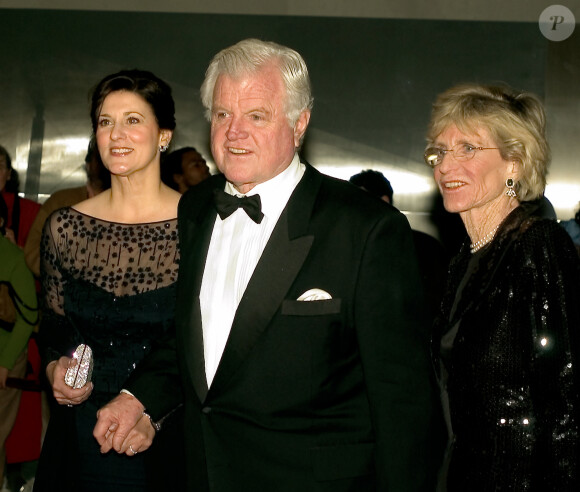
column 300, row 351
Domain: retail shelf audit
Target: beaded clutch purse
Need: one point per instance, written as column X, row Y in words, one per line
column 80, row 374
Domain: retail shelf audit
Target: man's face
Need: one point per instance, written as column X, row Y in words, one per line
column 251, row 138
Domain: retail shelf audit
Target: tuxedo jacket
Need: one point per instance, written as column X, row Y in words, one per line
column 332, row 394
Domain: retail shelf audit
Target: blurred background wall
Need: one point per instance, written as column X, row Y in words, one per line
column 375, row 66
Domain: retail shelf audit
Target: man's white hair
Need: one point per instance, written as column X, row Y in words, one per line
column 249, row 56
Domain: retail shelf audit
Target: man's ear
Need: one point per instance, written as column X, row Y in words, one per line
column 300, row 127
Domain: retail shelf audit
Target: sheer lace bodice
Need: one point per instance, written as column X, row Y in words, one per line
column 109, row 285
column 123, row 259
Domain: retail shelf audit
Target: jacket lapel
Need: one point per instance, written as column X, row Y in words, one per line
column 197, row 217
column 279, row 265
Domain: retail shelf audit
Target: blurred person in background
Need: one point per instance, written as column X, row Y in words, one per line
column 432, row 257
column 184, row 168
column 572, row 227
column 19, row 291
column 21, row 211
column 98, row 180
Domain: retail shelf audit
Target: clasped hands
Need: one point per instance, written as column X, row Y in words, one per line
column 121, row 424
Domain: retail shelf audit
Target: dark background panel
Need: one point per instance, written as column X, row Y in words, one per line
column 374, row 79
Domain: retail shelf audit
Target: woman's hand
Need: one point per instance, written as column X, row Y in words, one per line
column 3, row 377
column 139, row 438
column 9, row 234
column 63, row 393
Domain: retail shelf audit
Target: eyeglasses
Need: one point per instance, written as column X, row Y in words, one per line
column 462, row 152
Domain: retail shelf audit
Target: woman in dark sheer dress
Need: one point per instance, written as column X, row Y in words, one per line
column 507, row 339
column 109, row 266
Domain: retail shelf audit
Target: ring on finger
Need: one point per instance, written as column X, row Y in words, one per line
column 132, row 450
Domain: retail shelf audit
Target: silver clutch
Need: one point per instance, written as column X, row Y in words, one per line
column 80, row 374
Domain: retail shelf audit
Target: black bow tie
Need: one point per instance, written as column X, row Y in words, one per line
column 227, row 204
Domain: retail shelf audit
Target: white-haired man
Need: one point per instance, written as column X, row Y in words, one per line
column 300, row 346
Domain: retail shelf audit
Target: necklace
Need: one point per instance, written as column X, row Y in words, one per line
column 475, row 247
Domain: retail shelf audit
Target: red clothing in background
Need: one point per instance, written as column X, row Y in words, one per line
column 28, row 211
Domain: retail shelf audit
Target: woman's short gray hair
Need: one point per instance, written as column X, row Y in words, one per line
column 248, row 56
column 514, row 119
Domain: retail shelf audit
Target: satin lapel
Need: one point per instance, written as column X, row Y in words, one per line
column 196, row 219
column 279, row 265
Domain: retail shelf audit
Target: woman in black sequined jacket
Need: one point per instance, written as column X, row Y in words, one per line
column 507, row 341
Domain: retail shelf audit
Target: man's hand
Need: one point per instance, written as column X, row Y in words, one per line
column 140, row 437
column 115, row 423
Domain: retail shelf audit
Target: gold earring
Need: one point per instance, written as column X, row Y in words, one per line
column 511, row 192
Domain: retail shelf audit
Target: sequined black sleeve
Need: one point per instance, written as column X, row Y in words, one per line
column 550, row 307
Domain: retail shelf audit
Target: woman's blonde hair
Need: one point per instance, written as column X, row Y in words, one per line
column 515, row 121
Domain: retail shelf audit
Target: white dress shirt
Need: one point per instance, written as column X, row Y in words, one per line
column 234, row 251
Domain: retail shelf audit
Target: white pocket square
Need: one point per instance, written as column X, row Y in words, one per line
column 314, row 295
